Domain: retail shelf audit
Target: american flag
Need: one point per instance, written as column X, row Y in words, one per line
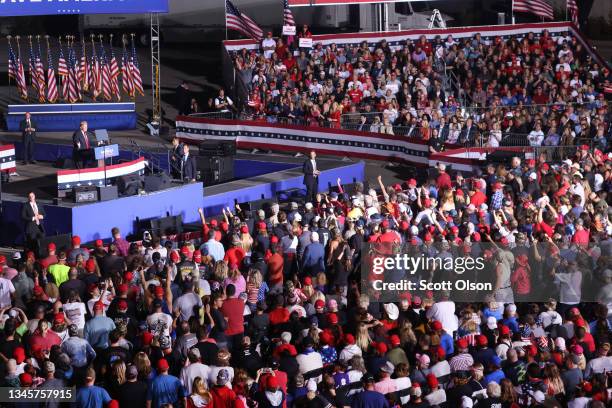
column 106, row 76
column 288, row 19
column 135, row 70
column 95, row 79
column 126, row 75
column 62, row 67
column 52, row 94
column 33, row 71
column 540, row 8
column 572, row 8
column 73, row 84
column 84, row 69
column 21, row 78
column 235, row 20
column 40, row 74
column 114, row 73
column 12, row 63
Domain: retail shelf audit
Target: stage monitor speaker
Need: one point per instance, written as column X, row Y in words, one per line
column 129, row 185
column 210, row 148
column 156, row 182
column 85, row 194
column 107, row 193
column 62, row 242
column 160, row 226
column 215, row 170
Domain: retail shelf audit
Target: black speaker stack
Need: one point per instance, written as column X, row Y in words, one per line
column 215, row 162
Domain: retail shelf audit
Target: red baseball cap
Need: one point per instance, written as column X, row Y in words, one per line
column 482, row 340
column 184, row 250
column 147, row 338
column 274, row 239
column 162, row 364
column 174, row 256
column 122, row 304
column 25, row 379
column 51, row 246
column 394, row 340
column 197, row 256
column 90, row 265
column 59, row 318
column 319, row 304
column 159, row 291
column 261, row 226
column 332, row 318
column 504, row 330
column 214, row 223
column 128, row 276
column 381, row 347
column 307, row 281
column 436, row 325
column 99, row 306
column 2, row 259
column 38, row 290
column 385, row 224
column 462, row 343
column 19, row 354
column 244, row 229
column 272, row 382
column 76, row 240
column 432, row 381
column 99, row 243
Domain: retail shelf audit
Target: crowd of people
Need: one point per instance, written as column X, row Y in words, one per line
column 533, row 89
column 267, row 308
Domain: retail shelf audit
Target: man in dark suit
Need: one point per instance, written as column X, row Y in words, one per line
column 82, row 142
column 175, row 158
column 28, row 137
column 311, row 177
column 32, row 215
column 188, row 166
column 468, row 132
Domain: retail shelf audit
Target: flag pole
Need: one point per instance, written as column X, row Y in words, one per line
column 566, row 10
column 512, row 13
column 8, row 39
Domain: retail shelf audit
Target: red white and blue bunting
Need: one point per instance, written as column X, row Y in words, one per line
column 7, row 158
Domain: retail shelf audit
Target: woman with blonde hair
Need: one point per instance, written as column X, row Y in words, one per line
column 220, row 271
column 143, row 365
column 447, row 200
column 116, row 378
column 553, row 381
column 256, row 288
column 362, row 337
column 246, row 240
column 200, row 396
column 235, row 278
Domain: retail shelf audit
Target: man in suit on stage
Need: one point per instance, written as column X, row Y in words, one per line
column 32, row 215
column 82, row 141
column 28, row 137
column 176, row 157
column 311, row 177
column 188, row 166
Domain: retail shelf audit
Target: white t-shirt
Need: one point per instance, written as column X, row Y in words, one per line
column 6, row 288
column 445, row 313
column 268, row 42
column 75, row 312
column 160, row 324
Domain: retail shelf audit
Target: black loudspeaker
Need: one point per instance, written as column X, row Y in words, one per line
column 62, row 242
column 129, row 185
column 160, row 226
column 215, row 170
column 156, row 182
column 107, row 193
column 210, row 148
column 85, row 194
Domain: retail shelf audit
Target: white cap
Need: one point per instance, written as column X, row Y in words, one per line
column 533, row 176
column 314, row 236
column 286, row 337
column 466, row 402
column 442, row 166
column 297, row 217
column 511, row 308
column 392, row 310
column 308, row 206
column 491, row 322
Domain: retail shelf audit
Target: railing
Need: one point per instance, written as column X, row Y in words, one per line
column 214, row 115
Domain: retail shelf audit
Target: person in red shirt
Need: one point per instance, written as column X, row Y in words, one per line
column 276, row 266
column 224, row 396
column 581, row 236
column 279, row 314
column 443, row 181
column 51, row 258
column 233, row 310
column 235, row 254
column 477, row 197
column 42, row 341
column 355, row 94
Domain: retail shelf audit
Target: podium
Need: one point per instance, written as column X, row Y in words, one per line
column 101, row 153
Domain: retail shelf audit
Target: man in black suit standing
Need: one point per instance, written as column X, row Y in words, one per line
column 82, row 141
column 188, row 166
column 32, row 215
column 28, row 137
column 176, row 157
column 311, row 177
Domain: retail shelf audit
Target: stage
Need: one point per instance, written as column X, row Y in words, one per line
column 257, row 177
